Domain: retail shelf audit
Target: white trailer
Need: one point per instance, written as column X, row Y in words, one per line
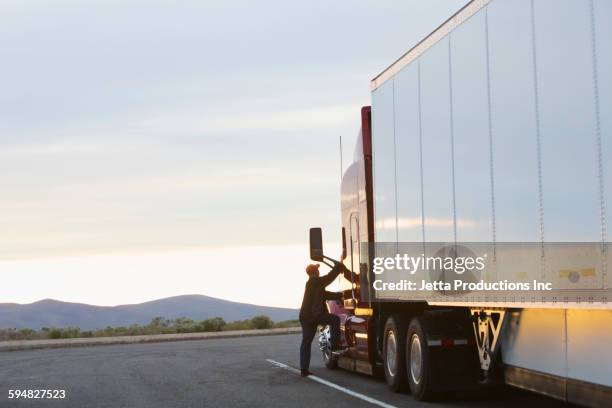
column 496, row 128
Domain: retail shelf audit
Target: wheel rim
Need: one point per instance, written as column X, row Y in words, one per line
column 391, row 353
column 327, row 353
column 416, row 358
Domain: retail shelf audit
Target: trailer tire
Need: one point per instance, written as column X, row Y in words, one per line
column 418, row 361
column 394, row 346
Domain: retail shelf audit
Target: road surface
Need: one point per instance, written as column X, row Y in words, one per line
column 239, row 372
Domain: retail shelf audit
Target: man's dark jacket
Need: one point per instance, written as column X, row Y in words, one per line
column 315, row 295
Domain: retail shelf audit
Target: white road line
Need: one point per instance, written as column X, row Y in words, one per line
column 332, row 385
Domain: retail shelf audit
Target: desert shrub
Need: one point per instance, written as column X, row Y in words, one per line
column 54, row 333
column 261, row 322
column 63, row 333
column 27, row 333
column 14, row 334
column 4, row 334
column 71, row 332
column 212, row 325
column 158, row 325
column 239, row 325
column 287, row 323
column 184, row 325
column 159, row 322
column 21, row 334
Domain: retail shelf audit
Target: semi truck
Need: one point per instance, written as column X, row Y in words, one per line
column 494, row 129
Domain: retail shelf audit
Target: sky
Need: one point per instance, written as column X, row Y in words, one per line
column 154, row 148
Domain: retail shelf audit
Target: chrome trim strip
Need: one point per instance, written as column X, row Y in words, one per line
column 458, row 18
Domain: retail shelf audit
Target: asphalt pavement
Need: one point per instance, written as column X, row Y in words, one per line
column 237, row 372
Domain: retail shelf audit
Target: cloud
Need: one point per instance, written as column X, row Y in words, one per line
column 251, row 121
column 62, row 147
column 113, row 279
column 133, row 128
column 147, row 132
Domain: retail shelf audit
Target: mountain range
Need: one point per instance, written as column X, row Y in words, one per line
column 54, row 313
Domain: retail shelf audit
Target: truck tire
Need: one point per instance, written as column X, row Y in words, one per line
column 394, row 346
column 418, row 361
column 329, row 359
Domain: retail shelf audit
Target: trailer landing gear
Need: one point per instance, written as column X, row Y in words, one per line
column 488, row 324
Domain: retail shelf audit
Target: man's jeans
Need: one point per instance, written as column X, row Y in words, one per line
column 309, row 329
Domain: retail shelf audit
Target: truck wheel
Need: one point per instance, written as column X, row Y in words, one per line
column 418, row 361
column 394, row 346
column 329, row 359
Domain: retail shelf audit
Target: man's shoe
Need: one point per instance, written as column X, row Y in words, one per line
column 305, row 373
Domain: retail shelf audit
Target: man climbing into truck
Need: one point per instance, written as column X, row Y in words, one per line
column 314, row 311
